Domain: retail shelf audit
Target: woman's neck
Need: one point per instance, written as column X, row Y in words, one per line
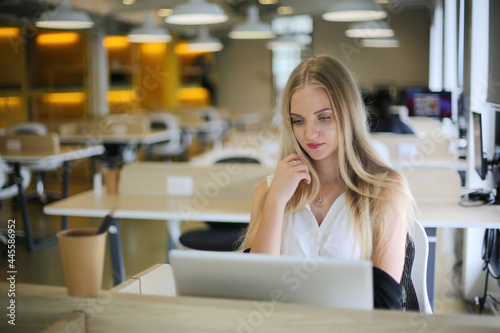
column 327, row 170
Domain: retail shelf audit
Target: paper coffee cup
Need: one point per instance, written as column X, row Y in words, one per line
column 111, row 180
column 82, row 254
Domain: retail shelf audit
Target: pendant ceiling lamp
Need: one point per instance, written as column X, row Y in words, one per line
column 387, row 42
column 197, row 12
column 204, row 42
column 65, row 17
column 252, row 28
column 288, row 41
column 369, row 29
column 148, row 33
column 354, row 10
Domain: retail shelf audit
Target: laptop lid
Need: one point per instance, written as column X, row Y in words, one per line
column 315, row 281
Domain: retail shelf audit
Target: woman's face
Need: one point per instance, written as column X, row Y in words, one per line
column 313, row 122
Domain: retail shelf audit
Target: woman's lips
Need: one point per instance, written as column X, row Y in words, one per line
column 314, row 145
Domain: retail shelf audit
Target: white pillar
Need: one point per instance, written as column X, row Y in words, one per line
column 450, row 62
column 472, row 273
column 99, row 72
column 436, row 48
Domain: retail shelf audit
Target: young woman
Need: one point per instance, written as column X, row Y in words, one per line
column 332, row 195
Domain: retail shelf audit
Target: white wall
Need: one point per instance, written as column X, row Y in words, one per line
column 244, row 77
column 406, row 65
column 244, row 67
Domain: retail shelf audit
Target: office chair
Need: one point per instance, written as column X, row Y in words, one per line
column 218, row 236
column 419, row 269
column 32, row 128
column 217, row 129
column 175, row 146
column 10, row 190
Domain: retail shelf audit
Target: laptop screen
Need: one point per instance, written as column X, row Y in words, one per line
column 314, row 281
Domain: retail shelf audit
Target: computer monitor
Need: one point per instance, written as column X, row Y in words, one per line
column 425, row 103
column 282, row 279
column 480, row 157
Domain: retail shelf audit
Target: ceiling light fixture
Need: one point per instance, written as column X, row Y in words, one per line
column 288, row 41
column 252, row 28
column 65, row 17
column 204, row 42
column 164, row 12
column 380, row 42
column 369, row 29
column 197, row 12
column 354, row 10
column 148, row 33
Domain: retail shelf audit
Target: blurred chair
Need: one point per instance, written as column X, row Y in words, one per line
column 33, row 128
column 174, row 147
column 218, row 236
column 419, row 269
column 216, row 129
column 10, row 189
column 233, row 155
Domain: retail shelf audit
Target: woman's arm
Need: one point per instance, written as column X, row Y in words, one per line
column 389, row 254
column 289, row 172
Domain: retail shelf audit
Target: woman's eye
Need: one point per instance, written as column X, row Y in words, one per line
column 297, row 121
column 325, row 118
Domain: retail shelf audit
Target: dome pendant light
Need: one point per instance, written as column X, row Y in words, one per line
column 204, row 42
column 65, row 17
column 197, row 12
column 369, row 29
column 252, row 28
column 387, row 42
column 354, row 10
column 148, row 33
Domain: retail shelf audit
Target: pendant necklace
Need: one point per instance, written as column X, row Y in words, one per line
column 319, row 203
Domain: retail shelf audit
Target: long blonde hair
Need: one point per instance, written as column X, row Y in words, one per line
column 363, row 173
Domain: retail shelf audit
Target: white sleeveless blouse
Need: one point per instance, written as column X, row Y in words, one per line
column 334, row 238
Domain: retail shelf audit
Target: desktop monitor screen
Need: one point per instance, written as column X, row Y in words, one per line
column 480, row 162
column 424, row 103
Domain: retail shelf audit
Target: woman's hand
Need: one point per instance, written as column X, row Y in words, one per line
column 289, row 172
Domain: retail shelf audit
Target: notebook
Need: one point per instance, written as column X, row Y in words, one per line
column 235, row 275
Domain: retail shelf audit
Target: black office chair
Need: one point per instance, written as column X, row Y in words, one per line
column 219, row 236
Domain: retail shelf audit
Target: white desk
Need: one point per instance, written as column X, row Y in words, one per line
column 65, row 154
column 410, row 151
column 100, row 138
column 436, row 192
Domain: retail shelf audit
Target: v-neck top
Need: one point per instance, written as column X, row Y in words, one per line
column 333, row 238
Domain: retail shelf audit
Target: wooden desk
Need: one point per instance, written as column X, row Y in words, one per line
column 65, row 154
column 41, row 307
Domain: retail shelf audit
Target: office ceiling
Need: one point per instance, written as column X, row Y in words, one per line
column 115, row 10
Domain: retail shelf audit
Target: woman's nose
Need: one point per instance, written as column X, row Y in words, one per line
column 312, row 131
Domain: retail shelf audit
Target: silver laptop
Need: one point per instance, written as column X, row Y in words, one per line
column 315, row 281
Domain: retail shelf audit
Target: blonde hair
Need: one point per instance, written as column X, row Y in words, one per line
column 364, row 175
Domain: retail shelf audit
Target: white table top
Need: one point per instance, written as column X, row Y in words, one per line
column 152, row 207
column 145, row 138
column 66, row 153
column 238, row 210
column 437, row 203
